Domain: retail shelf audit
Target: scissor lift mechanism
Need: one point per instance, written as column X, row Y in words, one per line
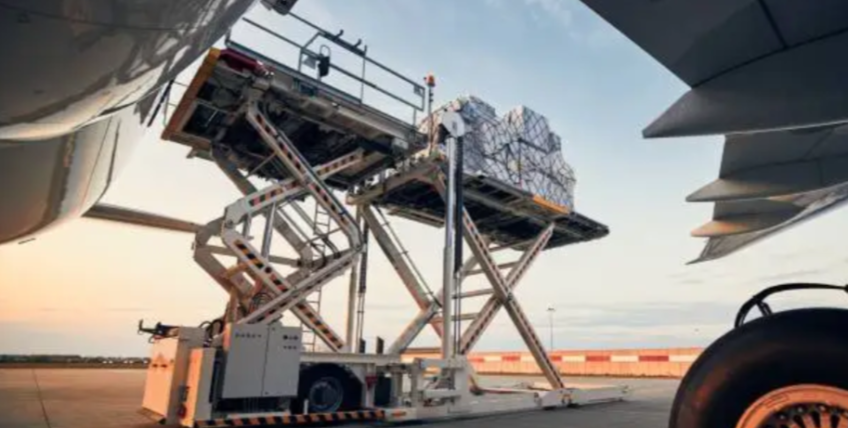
column 246, row 112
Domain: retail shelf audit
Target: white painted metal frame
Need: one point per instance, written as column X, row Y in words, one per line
column 282, row 293
column 502, row 287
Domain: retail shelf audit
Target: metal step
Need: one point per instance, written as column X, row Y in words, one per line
column 474, row 293
column 500, row 267
column 462, row 317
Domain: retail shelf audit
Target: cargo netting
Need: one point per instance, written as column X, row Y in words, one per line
column 518, row 149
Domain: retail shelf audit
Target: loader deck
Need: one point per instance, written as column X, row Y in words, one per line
column 325, row 123
column 507, row 215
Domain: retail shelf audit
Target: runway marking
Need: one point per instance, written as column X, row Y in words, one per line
column 41, row 399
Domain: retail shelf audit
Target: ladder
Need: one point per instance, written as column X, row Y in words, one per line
column 324, row 248
column 403, row 253
column 403, row 264
column 287, row 295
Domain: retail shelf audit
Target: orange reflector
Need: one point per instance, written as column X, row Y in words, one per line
column 550, row 205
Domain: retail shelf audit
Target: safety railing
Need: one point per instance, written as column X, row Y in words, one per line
column 322, row 62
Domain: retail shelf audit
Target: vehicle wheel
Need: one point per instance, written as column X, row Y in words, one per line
column 785, row 370
column 328, row 388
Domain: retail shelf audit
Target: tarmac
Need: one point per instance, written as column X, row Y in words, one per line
column 94, row 398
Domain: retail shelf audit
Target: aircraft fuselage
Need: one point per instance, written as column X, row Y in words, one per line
column 78, row 83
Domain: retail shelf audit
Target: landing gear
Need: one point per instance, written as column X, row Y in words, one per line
column 325, row 394
column 785, row 370
column 813, row 406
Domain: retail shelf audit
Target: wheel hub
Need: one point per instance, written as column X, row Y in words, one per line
column 326, row 395
column 799, row 406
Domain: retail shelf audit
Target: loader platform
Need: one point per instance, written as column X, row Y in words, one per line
column 325, row 124
column 508, row 216
column 322, row 122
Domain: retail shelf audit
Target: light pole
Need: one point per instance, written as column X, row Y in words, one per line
column 551, row 311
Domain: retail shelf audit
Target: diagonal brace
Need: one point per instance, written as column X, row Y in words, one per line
column 493, row 305
column 425, row 316
column 501, row 290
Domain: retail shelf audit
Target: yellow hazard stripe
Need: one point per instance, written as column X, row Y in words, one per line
column 190, row 94
column 309, row 419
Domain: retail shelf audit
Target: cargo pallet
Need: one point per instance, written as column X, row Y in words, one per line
column 255, row 117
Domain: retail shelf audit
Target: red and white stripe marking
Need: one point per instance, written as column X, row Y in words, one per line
column 571, row 358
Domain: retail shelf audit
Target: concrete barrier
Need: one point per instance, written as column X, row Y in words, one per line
column 668, row 362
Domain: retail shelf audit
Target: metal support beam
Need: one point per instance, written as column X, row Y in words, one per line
column 352, row 296
column 295, row 295
column 500, row 266
column 368, row 194
column 502, row 290
column 395, row 256
column 474, row 293
column 274, row 294
column 449, row 274
column 493, row 305
column 425, row 316
column 280, row 225
column 236, row 285
column 286, row 152
column 124, row 215
column 223, row 251
column 460, row 317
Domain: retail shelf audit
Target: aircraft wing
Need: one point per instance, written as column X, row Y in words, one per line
column 770, row 76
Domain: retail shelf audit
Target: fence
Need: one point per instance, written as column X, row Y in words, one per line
column 670, row 362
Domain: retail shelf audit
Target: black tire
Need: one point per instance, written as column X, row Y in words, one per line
column 789, row 348
column 329, row 388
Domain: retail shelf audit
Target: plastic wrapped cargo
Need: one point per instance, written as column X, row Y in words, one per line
column 518, row 149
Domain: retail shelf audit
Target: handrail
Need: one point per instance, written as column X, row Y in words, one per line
column 363, row 53
column 417, row 104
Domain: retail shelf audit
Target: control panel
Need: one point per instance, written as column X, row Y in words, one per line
column 261, row 361
column 282, row 368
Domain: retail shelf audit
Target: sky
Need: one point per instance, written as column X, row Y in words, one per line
column 82, row 288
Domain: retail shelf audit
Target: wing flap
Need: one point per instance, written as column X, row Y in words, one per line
column 769, row 75
column 813, row 206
